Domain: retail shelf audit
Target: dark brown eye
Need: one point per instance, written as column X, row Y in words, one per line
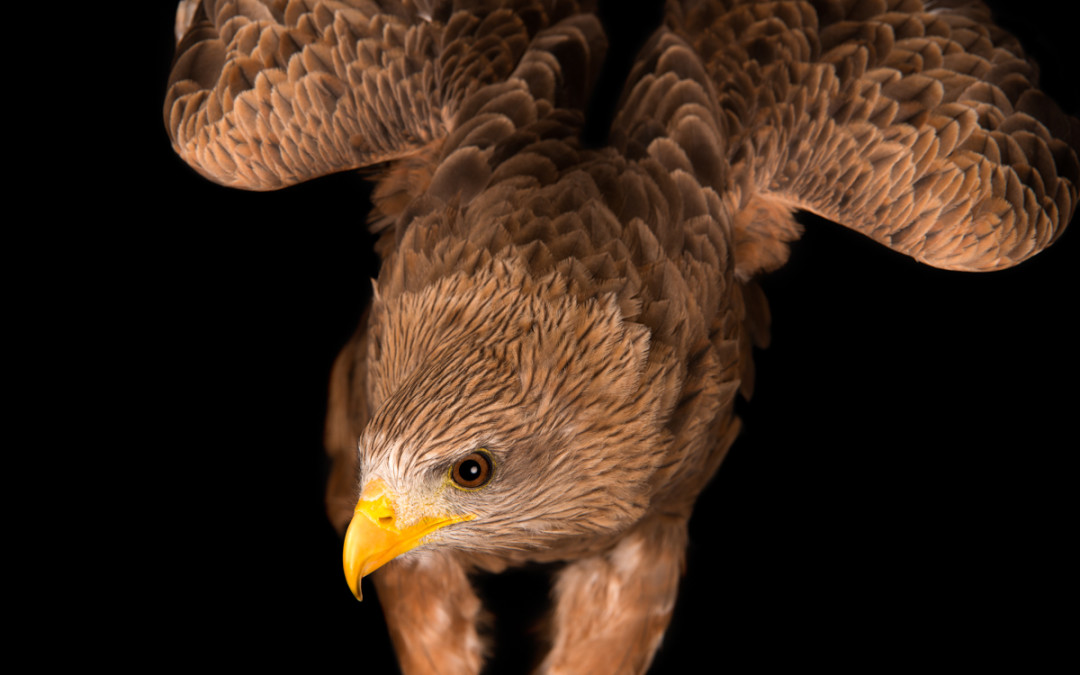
column 473, row 470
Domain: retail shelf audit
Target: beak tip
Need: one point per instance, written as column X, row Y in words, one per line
column 354, row 586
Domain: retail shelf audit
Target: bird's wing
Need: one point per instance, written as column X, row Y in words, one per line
column 346, row 416
column 915, row 123
column 268, row 93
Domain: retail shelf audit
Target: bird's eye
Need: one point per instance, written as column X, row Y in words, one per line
column 473, row 470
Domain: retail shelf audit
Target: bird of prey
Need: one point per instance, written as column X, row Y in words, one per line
column 549, row 368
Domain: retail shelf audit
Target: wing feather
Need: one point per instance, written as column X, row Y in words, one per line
column 916, row 123
column 265, row 94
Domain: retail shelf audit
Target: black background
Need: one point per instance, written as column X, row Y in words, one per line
column 903, row 489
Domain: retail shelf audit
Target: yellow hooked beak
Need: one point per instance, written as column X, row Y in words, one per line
column 374, row 537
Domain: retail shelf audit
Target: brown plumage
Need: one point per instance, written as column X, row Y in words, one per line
column 591, row 312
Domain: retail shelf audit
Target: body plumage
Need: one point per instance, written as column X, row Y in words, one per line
column 550, row 304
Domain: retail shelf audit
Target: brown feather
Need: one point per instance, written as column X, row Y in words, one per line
column 587, row 315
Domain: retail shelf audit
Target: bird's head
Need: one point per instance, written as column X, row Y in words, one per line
column 511, row 422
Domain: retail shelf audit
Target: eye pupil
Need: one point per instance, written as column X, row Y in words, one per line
column 473, row 470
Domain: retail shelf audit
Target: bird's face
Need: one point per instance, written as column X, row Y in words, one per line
column 522, row 443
